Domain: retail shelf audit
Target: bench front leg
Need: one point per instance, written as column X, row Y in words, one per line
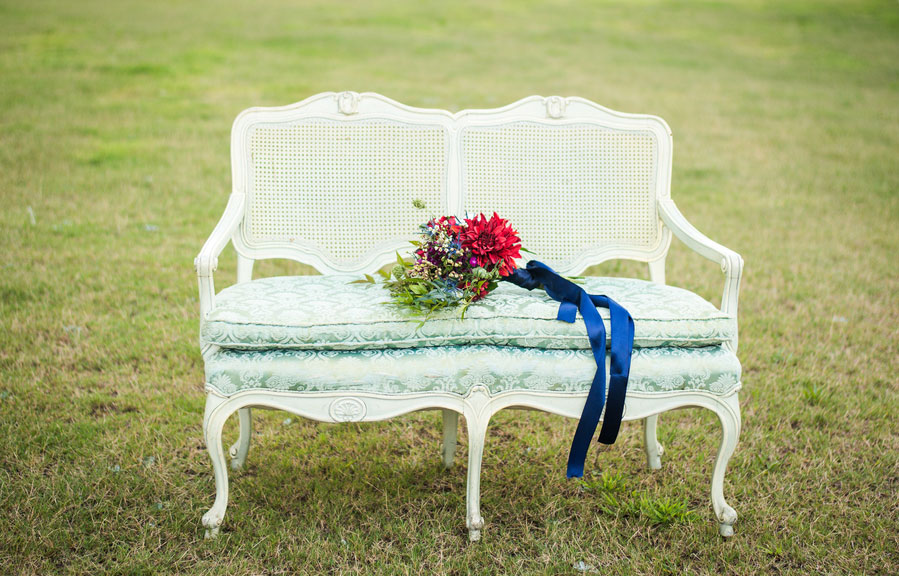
column 477, row 417
column 213, row 423
column 729, row 414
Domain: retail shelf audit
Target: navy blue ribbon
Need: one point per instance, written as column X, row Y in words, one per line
column 573, row 298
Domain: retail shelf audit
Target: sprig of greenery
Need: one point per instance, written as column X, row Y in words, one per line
column 425, row 295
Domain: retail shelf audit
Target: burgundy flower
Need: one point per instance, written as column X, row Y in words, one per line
column 490, row 241
column 482, row 291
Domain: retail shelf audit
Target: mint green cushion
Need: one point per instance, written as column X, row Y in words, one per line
column 330, row 313
column 457, row 369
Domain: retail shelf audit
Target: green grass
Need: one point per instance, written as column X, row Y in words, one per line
column 114, row 167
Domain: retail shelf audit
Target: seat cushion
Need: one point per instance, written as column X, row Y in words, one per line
column 456, row 369
column 331, row 313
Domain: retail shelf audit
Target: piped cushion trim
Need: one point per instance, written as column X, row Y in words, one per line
column 456, row 370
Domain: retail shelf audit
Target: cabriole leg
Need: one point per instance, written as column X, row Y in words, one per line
column 477, row 433
column 239, row 449
column 651, row 444
column 212, row 432
column 450, row 425
column 729, row 414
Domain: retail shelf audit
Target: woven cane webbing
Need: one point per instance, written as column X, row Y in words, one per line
column 344, row 186
column 565, row 187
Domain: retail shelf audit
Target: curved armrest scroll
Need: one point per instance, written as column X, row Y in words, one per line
column 207, row 261
column 731, row 263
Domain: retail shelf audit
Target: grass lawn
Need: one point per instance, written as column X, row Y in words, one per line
column 114, row 167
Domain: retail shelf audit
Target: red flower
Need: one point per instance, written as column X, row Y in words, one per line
column 490, row 241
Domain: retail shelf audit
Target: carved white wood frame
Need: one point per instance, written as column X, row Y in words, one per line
column 478, row 406
column 368, row 106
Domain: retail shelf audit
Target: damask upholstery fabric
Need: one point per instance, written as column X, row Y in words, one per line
column 456, row 369
column 331, row 313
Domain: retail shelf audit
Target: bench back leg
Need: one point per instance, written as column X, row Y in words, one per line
column 241, row 448
column 450, row 426
column 651, row 444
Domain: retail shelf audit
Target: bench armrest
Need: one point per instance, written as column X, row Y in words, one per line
column 207, row 260
column 731, row 262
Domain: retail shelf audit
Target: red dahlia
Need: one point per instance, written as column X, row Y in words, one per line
column 490, row 241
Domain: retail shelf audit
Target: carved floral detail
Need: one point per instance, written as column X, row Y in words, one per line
column 555, row 106
column 347, row 410
column 348, row 102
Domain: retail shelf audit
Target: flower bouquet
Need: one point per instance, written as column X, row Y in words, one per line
column 456, row 262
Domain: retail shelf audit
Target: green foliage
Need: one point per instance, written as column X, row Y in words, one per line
column 421, row 297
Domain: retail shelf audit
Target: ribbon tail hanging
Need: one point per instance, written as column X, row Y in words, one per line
column 575, row 299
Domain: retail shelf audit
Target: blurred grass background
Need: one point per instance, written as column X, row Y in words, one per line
column 114, row 167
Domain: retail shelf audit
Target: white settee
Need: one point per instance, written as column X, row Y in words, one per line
column 330, row 182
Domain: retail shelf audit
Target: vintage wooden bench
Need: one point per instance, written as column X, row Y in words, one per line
column 330, row 182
